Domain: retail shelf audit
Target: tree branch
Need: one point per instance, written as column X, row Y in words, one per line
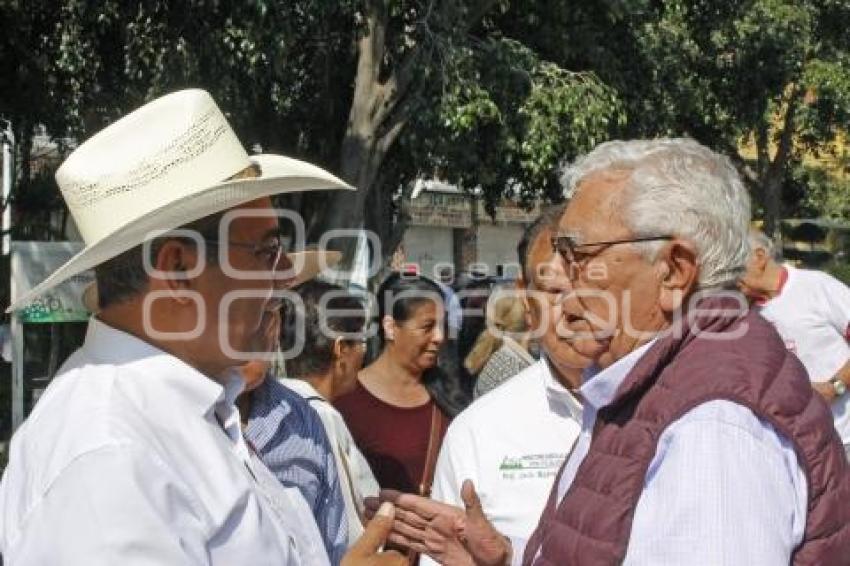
column 786, row 137
column 370, row 54
column 388, row 139
column 762, row 147
column 398, row 84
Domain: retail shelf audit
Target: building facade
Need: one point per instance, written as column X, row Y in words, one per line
column 450, row 228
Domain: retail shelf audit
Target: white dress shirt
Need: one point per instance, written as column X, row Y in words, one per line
column 132, row 457
column 511, row 443
column 355, row 477
column 812, row 314
column 723, row 489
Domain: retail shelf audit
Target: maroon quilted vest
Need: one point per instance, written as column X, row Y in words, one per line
column 685, row 368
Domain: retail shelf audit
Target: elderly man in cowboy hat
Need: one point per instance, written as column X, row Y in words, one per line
column 702, row 441
column 134, row 454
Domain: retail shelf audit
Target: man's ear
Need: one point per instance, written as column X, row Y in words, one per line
column 173, row 262
column 679, row 274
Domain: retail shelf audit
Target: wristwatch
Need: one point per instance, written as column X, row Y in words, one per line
column 838, row 386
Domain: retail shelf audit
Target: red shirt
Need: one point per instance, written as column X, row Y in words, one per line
column 393, row 439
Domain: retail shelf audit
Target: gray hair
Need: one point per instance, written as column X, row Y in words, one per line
column 758, row 240
column 680, row 188
column 124, row 277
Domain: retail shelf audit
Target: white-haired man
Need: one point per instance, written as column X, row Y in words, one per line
column 702, row 441
column 811, row 311
column 134, row 453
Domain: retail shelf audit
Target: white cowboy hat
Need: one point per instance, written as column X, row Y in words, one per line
column 311, row 262
column 158, row 168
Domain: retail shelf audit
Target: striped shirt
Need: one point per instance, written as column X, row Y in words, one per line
column 289, row 438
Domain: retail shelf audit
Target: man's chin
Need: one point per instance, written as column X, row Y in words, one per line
column 617, row 350
column 572, row 356
column 590, row 347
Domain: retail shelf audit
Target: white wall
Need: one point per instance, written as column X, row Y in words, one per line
column 497, row 245
column 428, row 246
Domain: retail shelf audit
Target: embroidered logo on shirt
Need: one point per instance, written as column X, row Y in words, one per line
column 529, row 466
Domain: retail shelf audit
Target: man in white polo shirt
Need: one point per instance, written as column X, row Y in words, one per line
column 512, row 441
column 811, row 311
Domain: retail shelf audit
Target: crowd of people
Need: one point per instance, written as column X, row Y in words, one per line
column 654, row 389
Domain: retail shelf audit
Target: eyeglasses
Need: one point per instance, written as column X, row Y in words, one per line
column 269, row 251
column 572, row 252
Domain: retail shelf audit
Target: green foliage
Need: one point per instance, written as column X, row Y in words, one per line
column 507, row 119
column 821, row 193
column 486, row 110
column 500, row 92
column 768, row 72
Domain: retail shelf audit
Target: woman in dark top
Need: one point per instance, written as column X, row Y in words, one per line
column 390, row 413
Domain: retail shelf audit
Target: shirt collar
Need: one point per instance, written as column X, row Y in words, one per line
column 302, row 387
column 600, row 385
column 559, row 396
column 159, row 369
column 234, row 384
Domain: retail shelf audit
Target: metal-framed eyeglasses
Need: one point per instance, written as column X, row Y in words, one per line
column 579, row 254
column 270, row 251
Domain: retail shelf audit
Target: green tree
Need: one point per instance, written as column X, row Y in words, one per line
column 773, row 72
column 822, row 193
column 379, row 91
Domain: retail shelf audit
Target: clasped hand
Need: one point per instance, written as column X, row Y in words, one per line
column 453, row 536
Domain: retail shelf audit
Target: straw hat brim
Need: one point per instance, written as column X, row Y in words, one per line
column 279, row 175
column 308, row 263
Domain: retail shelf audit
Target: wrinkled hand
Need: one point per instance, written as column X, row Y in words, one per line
column 826, row 390
column 450, row 535
column 366, row 551
column 487, row 545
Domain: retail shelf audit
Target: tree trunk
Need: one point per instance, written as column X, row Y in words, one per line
column 775, row 172
column 375, row 120
column 772, row 204
column 358, row 167
column 380, row 110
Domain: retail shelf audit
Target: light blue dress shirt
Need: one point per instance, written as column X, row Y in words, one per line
column 290, row 439
column 723, row 489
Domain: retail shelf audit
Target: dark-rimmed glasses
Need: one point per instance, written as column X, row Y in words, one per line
column 571, row 251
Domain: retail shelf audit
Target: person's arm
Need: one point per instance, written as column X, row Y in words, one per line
column 114, row 505
column 836, row 300
column 720, row 492
column 827, row 388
